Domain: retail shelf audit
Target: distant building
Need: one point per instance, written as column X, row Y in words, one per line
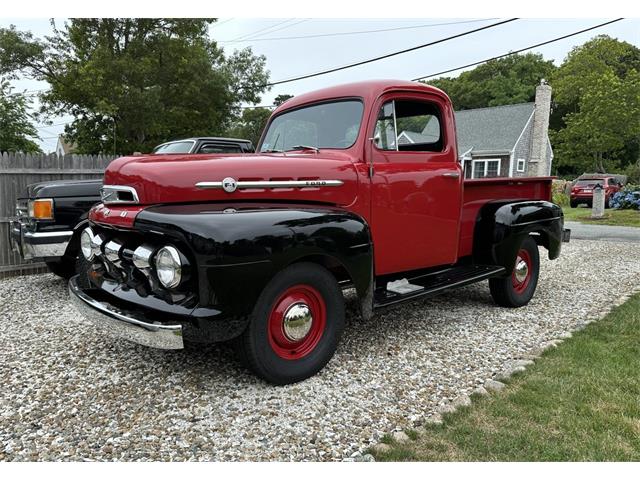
column 507, row 141
column 63, row 147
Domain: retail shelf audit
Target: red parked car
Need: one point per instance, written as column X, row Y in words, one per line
column 582, row 190
column 257, row 248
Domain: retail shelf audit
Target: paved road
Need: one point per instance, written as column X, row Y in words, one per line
column 581, row 231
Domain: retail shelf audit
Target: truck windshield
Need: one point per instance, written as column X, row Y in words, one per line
column 327, row 125
column 174, row 147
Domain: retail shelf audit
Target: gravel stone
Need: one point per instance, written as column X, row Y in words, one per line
column 461, row 401
column 494, row 385
column 70, row 394
column 400, row 437
column 509, row 372
column 481, row 391
column 435, row 419
column 446, row 408
column 381, row 448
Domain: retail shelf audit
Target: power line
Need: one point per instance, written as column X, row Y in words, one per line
column 517, row 51
column 261, row 30
column 278, row 29
column 359, row 32
column 217, row 24
column 388, row 55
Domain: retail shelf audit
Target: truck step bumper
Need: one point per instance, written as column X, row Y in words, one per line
column 114, row 323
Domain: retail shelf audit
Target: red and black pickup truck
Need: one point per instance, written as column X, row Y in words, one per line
column 257, row 248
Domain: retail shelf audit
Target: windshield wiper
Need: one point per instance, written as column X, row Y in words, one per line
column 304, row 147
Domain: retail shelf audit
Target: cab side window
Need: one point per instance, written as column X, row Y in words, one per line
column 408, row 125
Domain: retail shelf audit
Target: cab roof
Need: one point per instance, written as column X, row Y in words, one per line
column 368, row 90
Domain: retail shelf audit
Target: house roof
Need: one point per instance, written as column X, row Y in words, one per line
column 492, row 129
column 66, row 147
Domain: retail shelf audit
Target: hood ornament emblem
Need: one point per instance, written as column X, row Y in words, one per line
column 229, row 185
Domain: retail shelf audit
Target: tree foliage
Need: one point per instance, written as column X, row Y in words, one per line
column 16, row 128
column 280, row 99
column 505, row 81
column 144, row 81
column 597, row 119
column 251, row 124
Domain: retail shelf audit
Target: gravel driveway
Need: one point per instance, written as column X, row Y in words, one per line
column 67, row 393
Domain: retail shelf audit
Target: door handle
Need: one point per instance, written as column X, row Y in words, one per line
column 451, row 175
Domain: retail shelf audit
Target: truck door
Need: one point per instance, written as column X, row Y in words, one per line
column 416, row 184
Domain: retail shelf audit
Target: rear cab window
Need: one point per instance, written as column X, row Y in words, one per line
column 409, row 126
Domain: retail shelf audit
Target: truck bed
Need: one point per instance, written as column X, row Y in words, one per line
column 478, row 192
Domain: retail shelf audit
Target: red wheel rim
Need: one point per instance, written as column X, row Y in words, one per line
column 297, row 321
column 521, row 275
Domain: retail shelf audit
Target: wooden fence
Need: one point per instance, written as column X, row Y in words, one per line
column 17, row 170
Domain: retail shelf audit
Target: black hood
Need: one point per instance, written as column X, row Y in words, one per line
column 63, row 188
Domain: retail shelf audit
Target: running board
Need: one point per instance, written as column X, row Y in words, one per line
column 436, row 282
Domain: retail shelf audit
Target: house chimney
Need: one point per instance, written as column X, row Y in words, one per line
column 540, row 159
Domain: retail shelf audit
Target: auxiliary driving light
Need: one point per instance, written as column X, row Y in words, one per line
column 168, row 266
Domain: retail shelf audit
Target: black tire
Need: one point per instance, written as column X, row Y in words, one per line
column 509, row 292
column 573, row 203
column 606, row 203
column 65, row 267
column 82, row 270
column 256, row 345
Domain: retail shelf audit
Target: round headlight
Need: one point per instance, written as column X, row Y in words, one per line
column 86, row 240
column 168, row 267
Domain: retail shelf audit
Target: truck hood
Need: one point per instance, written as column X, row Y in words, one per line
column 63, row 188
column 173, row 178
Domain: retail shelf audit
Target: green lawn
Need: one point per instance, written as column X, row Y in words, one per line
column 629, row 218
column 579, row 402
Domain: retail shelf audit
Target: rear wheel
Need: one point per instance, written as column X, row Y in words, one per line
column 295, row 326
column 573, row 203
column 517, row 289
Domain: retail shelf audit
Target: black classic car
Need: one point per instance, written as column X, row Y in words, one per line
column 50, row 215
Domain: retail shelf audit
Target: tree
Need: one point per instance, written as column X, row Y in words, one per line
column 280, row 99
column 251, row 124
column 505, row 81
column 596, row 122
column 16, row 127
column 136, row 82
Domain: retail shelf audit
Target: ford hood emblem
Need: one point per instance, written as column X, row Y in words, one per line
column 229, row 185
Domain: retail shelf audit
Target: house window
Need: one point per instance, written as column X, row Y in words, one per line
column 521, row 165
column 485, row 168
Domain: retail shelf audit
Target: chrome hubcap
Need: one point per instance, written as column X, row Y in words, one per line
column 297, row 321
column 521, row 270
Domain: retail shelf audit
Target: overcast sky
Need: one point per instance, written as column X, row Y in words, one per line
column 287, row 57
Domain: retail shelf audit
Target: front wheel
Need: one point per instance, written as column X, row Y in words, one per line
column 64, row 268
column 517, row 289
column 295, row 326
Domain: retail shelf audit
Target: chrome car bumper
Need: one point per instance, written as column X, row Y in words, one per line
column 30, row 245
column 113, row 322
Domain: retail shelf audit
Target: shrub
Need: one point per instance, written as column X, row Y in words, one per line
column 627, row 199
column 561, row 199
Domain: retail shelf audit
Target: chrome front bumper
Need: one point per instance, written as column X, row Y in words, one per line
column 30, row 245
column 113, row 322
